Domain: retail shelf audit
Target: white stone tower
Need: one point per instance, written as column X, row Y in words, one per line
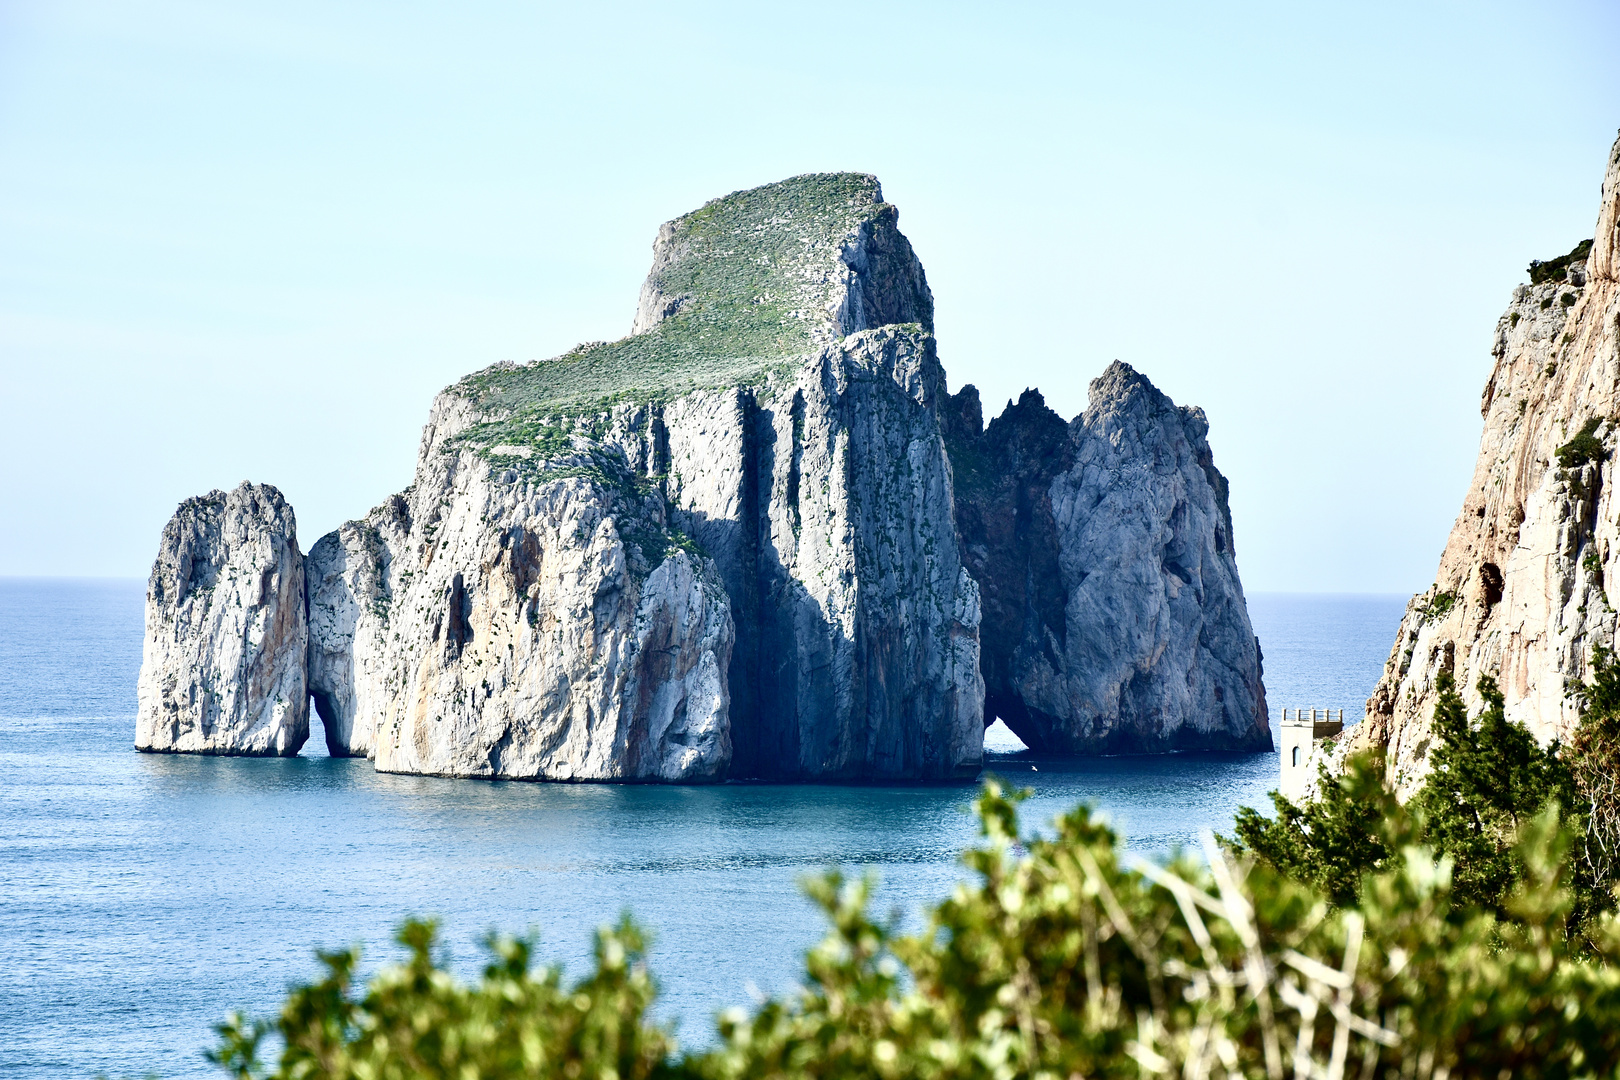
column 1300, row 734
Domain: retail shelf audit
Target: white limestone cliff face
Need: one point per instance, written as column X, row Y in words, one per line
column 350, row 580
column 810, row 468
column 222, row 663
column 1521, row 593
column 493, row 623
column 1115, row 619
column 824, row 495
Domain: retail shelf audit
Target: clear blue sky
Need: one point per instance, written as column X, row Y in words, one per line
column 252, row 240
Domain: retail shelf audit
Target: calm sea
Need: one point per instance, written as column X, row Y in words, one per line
column 142, row 897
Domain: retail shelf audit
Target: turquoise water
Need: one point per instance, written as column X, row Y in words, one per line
column 142, row 897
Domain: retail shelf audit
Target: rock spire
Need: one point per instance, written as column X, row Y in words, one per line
column 222, row 665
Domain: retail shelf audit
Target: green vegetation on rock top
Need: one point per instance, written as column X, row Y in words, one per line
column 1558, row 269
column 750, row 277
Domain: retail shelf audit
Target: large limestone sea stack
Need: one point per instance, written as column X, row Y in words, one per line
column 727, row 545
column 722, row 545
column 1521, row 593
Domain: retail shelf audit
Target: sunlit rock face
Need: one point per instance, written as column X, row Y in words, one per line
column 1521, row 592
column 487, row 626
column 722, row 546
column 1114, row 619
column 222, row 664
column 347, row 575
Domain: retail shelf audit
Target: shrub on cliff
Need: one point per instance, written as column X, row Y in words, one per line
column 1488, row 779
column 1584, row 447
column 1594, row 757
column 1062, row 958
column 1353, row 828
column 1557, row 269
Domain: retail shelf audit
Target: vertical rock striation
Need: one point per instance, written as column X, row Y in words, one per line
column 504, row 623
column 822, row 488
column 1521, row 593
column 222, row 664
column 828, row 510
column 763, row 453
column 350, row 582
column 1114, row 619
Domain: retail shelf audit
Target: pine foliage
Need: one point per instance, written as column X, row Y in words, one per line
column 1489, row 779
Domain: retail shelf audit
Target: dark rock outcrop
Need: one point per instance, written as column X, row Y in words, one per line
column 1114, row 620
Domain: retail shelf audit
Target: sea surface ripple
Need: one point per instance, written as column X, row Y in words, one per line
column 143, row 897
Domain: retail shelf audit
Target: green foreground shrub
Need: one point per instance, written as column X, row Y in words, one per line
column 1488, row 779
column 1594, row 755
column 1061, row 958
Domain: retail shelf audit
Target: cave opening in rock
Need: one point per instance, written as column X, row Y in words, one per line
column 1001, row 739
column 321, row 711
column 1490, row 578
column 316, row 745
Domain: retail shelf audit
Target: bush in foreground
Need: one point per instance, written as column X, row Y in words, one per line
column 1488, row 779
column 1062, row 959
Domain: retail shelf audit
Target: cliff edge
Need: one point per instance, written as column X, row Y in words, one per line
column 1521, row 593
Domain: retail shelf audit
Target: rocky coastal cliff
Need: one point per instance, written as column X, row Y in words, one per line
column 1521, row 593
column 727, row 544
column 1114, row 620
column 736, row 521
column 475, row 627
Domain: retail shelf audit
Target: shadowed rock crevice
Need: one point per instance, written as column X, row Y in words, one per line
column 1010, row 542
